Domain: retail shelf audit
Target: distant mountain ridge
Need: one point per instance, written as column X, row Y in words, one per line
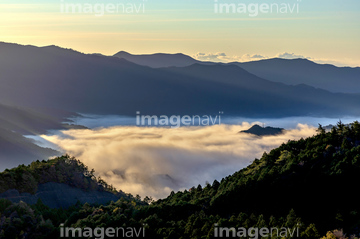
column 303, row 71
column 56, row 78
column 158, row 60
column 287, row 71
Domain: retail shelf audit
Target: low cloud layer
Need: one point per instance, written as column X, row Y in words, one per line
column 287, row 55
column 215, row 57
column 155, row 161
column 223, row 57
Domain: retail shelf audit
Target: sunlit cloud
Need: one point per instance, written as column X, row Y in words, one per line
column 155, row 161
column 287, row 55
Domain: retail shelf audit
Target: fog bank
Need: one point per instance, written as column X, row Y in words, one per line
column 154, row 161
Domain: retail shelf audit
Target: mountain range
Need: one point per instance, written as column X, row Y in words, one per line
column 41, row 87
column 287, row 71
column 63, row 79
column 303, row 71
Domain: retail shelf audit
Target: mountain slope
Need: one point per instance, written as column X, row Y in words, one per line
column 29, row 121
column 256, row 95
column 16, row 149
column 18, row 121
column 302, row 71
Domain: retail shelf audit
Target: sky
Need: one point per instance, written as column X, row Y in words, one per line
column 325, row 31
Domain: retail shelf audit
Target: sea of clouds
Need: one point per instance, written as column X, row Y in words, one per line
column 154, row 161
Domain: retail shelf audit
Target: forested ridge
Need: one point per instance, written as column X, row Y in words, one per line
column 308, row 184
column 65, row 169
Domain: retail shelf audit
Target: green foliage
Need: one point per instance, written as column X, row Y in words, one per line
column 65, row 169
column 4, row 203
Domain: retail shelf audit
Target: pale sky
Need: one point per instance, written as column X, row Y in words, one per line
column 322, row 30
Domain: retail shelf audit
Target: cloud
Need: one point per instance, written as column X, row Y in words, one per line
column 254, row 57
column 216, row 57
column 287, row 55
column 155, row 161
column 222, row 57
column 339, row 63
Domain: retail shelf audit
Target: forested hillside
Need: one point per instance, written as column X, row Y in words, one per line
column 65, row 169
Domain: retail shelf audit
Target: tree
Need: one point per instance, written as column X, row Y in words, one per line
column 320, row 130
column 310, row 232
column 148, row 200
column 215, row 184
column 291, row 219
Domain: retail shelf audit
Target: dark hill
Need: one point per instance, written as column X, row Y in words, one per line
column 261, row 131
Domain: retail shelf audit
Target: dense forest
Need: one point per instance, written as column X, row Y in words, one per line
column 309, row 185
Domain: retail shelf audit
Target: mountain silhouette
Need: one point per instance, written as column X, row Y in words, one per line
column 158, row 60
column 287, row 71
column 303, row 71
column 64, row 79
column 263, row 131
